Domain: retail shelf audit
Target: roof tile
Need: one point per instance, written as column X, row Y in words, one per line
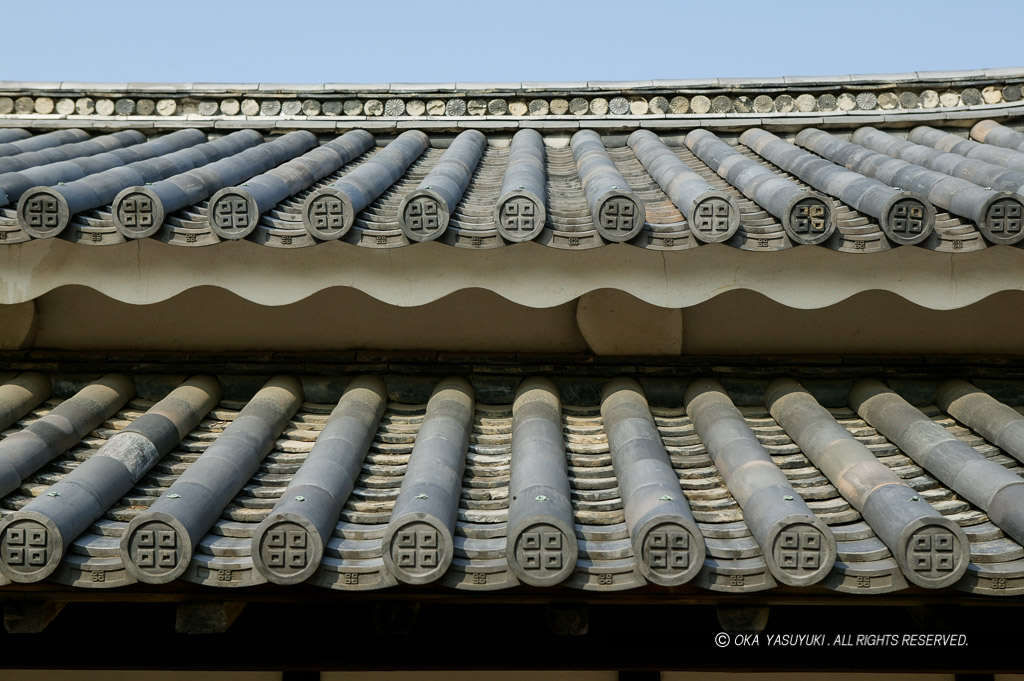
column 955, row 75
column 1005, row 72
column 290, row 87
column 498, row 124
column 311, row 124
column 160, row 87
column 438, row 124
column 225, row 87
column 670, row 124
column 473, row 87
column 355, row 87
column 863, row 78
column 71, row 85
column 238, row 124
column 28, row 85
column 686, row 82
column 752, row 82
column 619, row 84
column 420, row 87
column 816, row 80
column 365, row 524
column 502, row 126
column 555, row 124
column 539, row 85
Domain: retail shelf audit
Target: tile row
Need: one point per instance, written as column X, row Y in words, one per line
column 883, row 80
column 936, row 190
column 903, row 99
column 472, row 483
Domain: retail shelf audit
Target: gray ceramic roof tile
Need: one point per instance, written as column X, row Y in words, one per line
column 860, row 81
column 721, row 122
column 75, row 123
column 352, row 550
column 355, row 87
column 439, row 124
column 29, row 85
column 957, row 75
column 378, row 124
column 616, row 129
column 225, row 87
column 567, row 124
column 290, row 87
column 178, row 123
column 971, row 114
column 420, row 87
column 805, row 122
column 554, row 85
column 159, row 87
column 752, row 82
column 472, row 87
column 606, row 123
column 867, row 117
column 656, row 123
column 937, row 116
column 311, row 124
column 498, row 124
column 1005, row 72
column 686, row 82
column 47, row 124
column 98, row 87
column 236, row 124
column 619, row 84
column 861, row 78
column 816, row 80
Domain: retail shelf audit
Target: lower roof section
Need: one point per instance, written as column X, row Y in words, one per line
column 146, row 271
column 488, row 481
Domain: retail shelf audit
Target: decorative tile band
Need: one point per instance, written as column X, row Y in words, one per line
column 621, row 105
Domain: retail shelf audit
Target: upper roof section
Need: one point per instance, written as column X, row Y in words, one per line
column 863, row 191
column 931, row 95
column 659, row 168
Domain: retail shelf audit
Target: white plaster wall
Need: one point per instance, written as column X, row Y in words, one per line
column 606, row 322
column 148, row 271
column 212, row 319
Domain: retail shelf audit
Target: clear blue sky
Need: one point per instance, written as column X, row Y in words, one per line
column 380, row 41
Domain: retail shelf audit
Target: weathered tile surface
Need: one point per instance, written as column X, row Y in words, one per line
column 787, row 187
column 604, row 522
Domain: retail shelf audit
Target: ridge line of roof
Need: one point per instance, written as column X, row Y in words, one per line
column 774, row 98
column 1001, row 73
column 960, row 115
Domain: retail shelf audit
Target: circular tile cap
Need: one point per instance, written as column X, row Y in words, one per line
column 670, row 554
column 233, row 213
column 31, row 547
column 933, row 553
column 417, row 551
column 138, row 213
column 801, row 553
column 286, row 549
column 43, row 213
column 542, row 554
column 156, row 550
